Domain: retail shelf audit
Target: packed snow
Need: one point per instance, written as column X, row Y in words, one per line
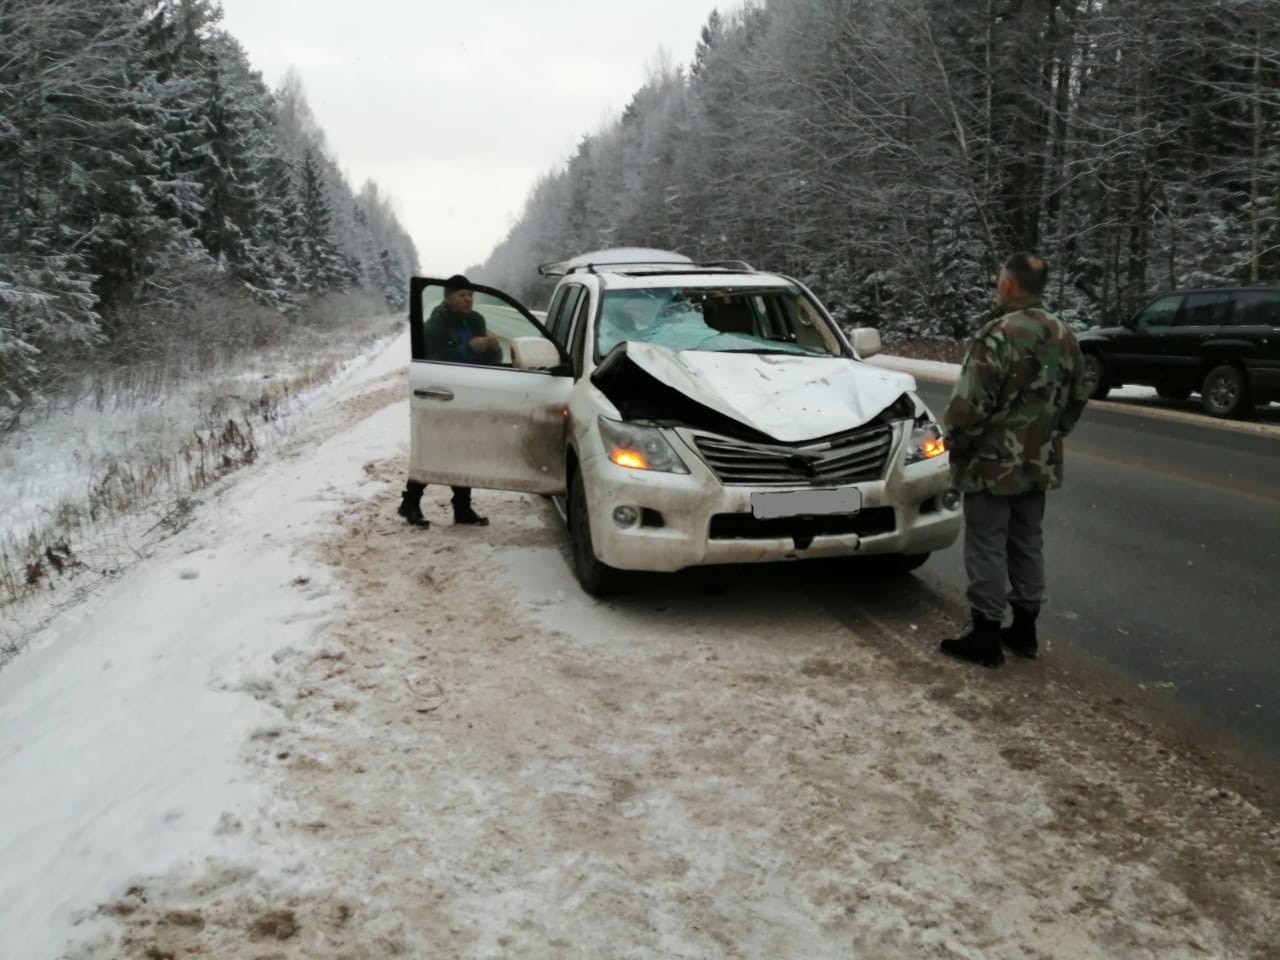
column 295, row 727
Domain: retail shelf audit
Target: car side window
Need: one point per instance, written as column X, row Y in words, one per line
column 1202, row 310
column 553, row 311
column 579, row 334
column 471, row 326
column 1158, row 313
column 1256, row 308
column 565, row 306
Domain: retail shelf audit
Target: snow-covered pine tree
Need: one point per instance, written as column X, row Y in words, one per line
column 63, row 123
column 321, row 264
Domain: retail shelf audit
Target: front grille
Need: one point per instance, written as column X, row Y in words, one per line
column 746, row 526
column 849, row 458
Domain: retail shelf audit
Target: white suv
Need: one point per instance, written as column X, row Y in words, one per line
column 689, row 414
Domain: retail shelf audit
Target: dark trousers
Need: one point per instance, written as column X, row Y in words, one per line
column 461, row 495
column 1004, row 551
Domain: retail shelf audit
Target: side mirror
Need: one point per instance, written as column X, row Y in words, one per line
column 866, row 341
column 534, row 353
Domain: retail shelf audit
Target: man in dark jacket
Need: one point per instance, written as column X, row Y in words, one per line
column 1020, row 391
column 454, row 333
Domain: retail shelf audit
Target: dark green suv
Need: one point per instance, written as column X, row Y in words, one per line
column 1220, row 342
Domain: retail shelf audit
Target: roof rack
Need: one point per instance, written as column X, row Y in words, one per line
column 612, row 257
column 561, row 268
column 728, row 264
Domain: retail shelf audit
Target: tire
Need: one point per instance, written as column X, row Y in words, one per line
column 596, row 578
column 1173, row 393
column 1225, row 392
column 1095, row 376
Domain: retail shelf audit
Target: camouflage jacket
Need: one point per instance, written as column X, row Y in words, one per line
column 1021, row 390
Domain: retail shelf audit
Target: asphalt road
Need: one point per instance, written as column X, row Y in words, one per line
column 1163, row 555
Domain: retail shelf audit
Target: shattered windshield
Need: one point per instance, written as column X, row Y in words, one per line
column 753, row 319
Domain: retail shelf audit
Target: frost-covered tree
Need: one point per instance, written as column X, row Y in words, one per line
column 144, row 168
column 322, row 266
column 392, row 259
column 893, row 152
column 65, row 106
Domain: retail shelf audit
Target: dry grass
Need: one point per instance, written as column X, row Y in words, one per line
column 161, row 473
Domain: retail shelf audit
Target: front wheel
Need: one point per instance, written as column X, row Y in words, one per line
column 596, row 578
column 1225, row 392
column 1095, row 376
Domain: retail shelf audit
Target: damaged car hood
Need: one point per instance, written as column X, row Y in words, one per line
column 786, row 397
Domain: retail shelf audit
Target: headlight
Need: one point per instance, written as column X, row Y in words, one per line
column 639, row 448
column 925, row 442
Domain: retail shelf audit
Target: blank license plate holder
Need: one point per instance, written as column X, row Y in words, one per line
column 820, row 502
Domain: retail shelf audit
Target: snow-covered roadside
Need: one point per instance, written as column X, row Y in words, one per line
column 59, row 456
column 54, row 472
column 1136, row 399
column 933, row 370
column 324, row 734
column 122, row 727
column 939, row 372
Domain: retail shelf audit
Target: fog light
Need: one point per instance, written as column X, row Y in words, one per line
column 625, row 516
column 951, row 499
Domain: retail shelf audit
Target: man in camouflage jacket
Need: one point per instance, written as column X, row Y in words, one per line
column 1020, row 391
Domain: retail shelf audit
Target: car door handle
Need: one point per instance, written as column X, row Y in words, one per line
column 434, row 393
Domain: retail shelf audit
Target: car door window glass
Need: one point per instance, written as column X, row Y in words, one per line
column 1158, row 313
column 556, row 309
column 1256, row 308
column 1200, row 310
column 457, row 332
column 579, row 335
column 561, row 326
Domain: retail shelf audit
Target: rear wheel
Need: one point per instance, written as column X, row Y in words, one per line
column 595, row 577
column 1095, row 376
column 1173, row 393
column 1225, row 392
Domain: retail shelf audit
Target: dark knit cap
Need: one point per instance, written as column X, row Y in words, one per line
column 455, row 283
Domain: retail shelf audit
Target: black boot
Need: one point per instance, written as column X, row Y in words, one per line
column 1020, row 637
column 411, row 505
column 981, row 645
column 467, row 515
column 462, row 512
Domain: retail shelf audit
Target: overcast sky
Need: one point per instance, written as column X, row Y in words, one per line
column 456, row 107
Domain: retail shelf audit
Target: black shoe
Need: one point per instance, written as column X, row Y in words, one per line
column 467, row 515
column 411, row 510
column 981, row 645
column 1020, row 636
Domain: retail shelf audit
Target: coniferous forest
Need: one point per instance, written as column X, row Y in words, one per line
column 156, row 196
column 157, row 199
column 891, row 153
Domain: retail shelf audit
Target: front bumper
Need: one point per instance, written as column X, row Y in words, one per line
column 694, row 519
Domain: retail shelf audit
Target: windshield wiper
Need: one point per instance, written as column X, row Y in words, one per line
column 793, row 351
